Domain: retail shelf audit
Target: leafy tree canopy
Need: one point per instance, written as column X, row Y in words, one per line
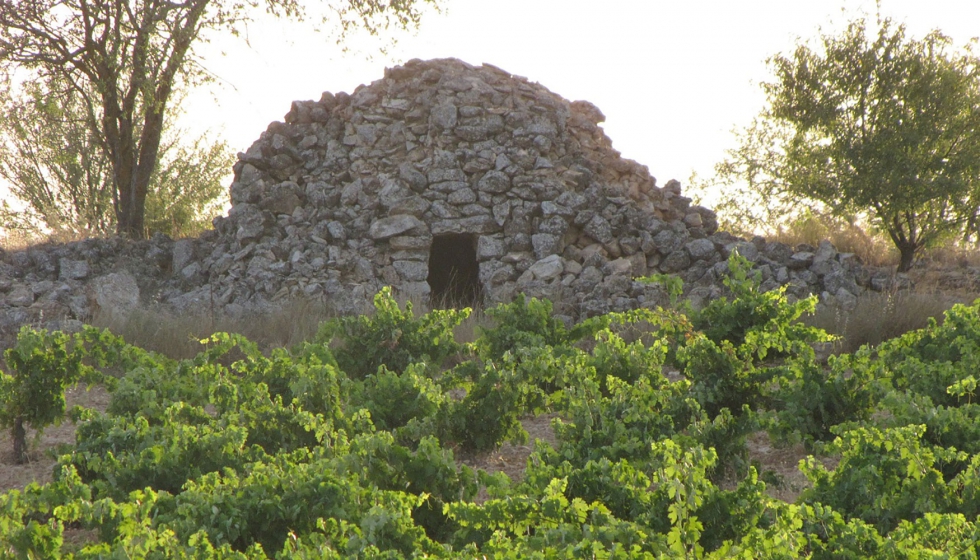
column 56, row 170
column 870, row 123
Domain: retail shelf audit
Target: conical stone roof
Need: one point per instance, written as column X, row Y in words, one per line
column 349, row 192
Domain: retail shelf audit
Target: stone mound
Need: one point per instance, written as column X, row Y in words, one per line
column 459, row 183
column 447, row 180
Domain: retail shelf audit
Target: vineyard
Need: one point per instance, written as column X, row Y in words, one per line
column 348, row 445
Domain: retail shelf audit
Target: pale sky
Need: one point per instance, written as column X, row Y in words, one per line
column 672, row 77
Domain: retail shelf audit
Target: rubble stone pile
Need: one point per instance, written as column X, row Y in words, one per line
column 459, row 183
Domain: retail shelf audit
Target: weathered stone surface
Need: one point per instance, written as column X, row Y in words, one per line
column 412, row 271
column 545, row 244
column 620, row 267
column 700, row 249
column 73, row 269
column 394, row 225
column 800, row 260
column 20, row 296
column 183, row 254
column 116, row 294
column 494, row 182
column 547, row 268
column 488, row 247
column 675, row 262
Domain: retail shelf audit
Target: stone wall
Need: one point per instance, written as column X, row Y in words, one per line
column 350, row 192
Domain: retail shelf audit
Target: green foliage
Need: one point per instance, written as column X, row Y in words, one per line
column 497, row 396
column 870, row 123
column 242, row 454
column 393, row 337
column 938, row 361
column 59, row 172
column 529, row 323
column 810, row 399
column 395, row 399
column 883, row 476
column 44, row 365
column 673, row 284
column 754, row 321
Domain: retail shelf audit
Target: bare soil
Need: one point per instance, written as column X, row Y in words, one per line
column 784, row 461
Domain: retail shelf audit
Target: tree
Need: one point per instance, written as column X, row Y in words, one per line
column 124, row 59
column 871, row 123
column 44, row 365
column 54, row 165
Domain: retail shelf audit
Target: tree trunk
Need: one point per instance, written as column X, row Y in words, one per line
column 907, row 251
column 20, row 441
column 132, row 210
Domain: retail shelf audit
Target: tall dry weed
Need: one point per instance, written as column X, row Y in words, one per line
column 882, row 316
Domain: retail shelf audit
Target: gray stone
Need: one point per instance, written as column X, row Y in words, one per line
column 251, row 227
column 462, row 196
column 413, row 205
column 745, row 249
column 444, row 116
column 409, row 243
column 675, row 262
column 839, row 280
column 416, row 179
column 589, row 278
column 545, row 244
column 488, row 247
column 623, row 266
column 693, row 220
column 471, row 224
column 825, row 266
column 846, row 299
column 800, row 261
column 115, row 294
column 337, row 230
column 667, row 241
column 20, row 296
column 547, row 268
column 394, row 225
column 778, row 252
column 183, row 254
column 73, row 270
column 599, row 229
column 412, row 271
column 700, row 249
column 494, row 182
column 191, row 272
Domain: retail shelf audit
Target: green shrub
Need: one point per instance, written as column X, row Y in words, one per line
column 392, row 337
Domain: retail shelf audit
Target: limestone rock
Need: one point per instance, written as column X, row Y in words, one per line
column 394, row 225
column 115, row 294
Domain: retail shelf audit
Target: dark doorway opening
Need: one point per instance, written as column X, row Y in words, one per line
column 454, row 274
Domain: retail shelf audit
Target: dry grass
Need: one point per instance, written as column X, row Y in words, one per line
column 295, row 322
column 882, row 316
column 178, row 336
column 18, row 239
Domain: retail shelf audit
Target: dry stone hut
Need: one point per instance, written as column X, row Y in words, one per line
column 447, row 181
column 454, row 182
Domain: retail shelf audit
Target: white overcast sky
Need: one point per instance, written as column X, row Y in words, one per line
column 672, row 77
